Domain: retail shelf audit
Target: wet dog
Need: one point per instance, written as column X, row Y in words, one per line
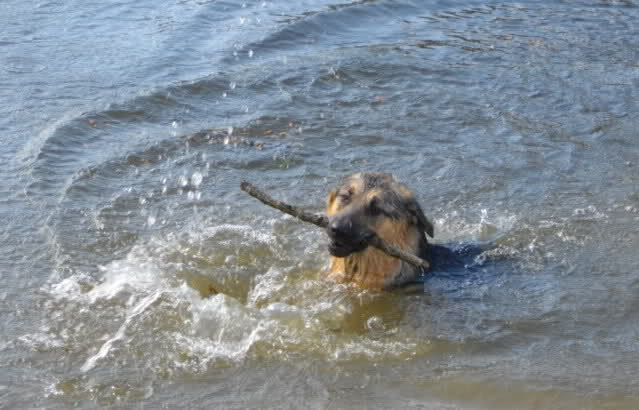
column 374, row 203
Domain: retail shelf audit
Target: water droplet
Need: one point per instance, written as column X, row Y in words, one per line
column 196, row 178
column 224, row 95
column 375, row 323
column 183, row 181
column 250, row 53
column 150, row 220
column 174, row 124
column 189, row 195
column 232, row 85
column 242, row 20
column 229, row 130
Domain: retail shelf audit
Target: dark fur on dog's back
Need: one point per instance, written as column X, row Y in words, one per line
column 367, row 203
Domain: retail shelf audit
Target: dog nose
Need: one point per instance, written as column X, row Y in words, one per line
column 340, row 228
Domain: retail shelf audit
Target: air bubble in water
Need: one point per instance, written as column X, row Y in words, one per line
column 151, row 220
column 174, row 124
column 196, row 178
column 183, row 181
column 233, row 85
column 375, row 323
column 250, row 53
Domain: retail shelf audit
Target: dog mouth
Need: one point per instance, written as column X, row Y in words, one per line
column 343, row 249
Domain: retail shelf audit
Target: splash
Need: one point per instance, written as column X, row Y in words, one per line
column 137, row 310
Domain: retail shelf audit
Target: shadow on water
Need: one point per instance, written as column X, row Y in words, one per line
column 456, row 265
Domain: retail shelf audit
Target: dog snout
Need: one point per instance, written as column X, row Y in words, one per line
column 341, row 228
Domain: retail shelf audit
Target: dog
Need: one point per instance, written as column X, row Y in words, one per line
column 371, row 203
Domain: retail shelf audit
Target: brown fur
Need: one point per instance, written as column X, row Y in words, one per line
column 397, row 218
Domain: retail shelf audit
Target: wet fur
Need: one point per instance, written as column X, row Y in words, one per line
column 398, row 220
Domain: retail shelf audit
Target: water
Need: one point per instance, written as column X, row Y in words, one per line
column 127, row 127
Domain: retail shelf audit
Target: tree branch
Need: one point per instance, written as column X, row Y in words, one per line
column 322, row 222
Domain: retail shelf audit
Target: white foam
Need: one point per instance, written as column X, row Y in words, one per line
column 127, row 279
column 221, row 328
column 247, row 231
column 280, row 318
column 137, row 310
column 40, row 341
column 489, row 226
column 589, row 212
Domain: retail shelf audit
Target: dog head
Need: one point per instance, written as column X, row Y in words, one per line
column 369, row 204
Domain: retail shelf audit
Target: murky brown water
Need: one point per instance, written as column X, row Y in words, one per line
column 128, row 126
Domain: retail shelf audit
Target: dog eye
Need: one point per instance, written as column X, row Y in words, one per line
column 343, row 197
column 374, row 208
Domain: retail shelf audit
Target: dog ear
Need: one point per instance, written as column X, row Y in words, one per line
column 422, row 222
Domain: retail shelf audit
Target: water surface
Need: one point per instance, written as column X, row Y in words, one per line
column 127, row 127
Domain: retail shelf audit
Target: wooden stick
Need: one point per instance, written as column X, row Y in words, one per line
column 322, row 222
